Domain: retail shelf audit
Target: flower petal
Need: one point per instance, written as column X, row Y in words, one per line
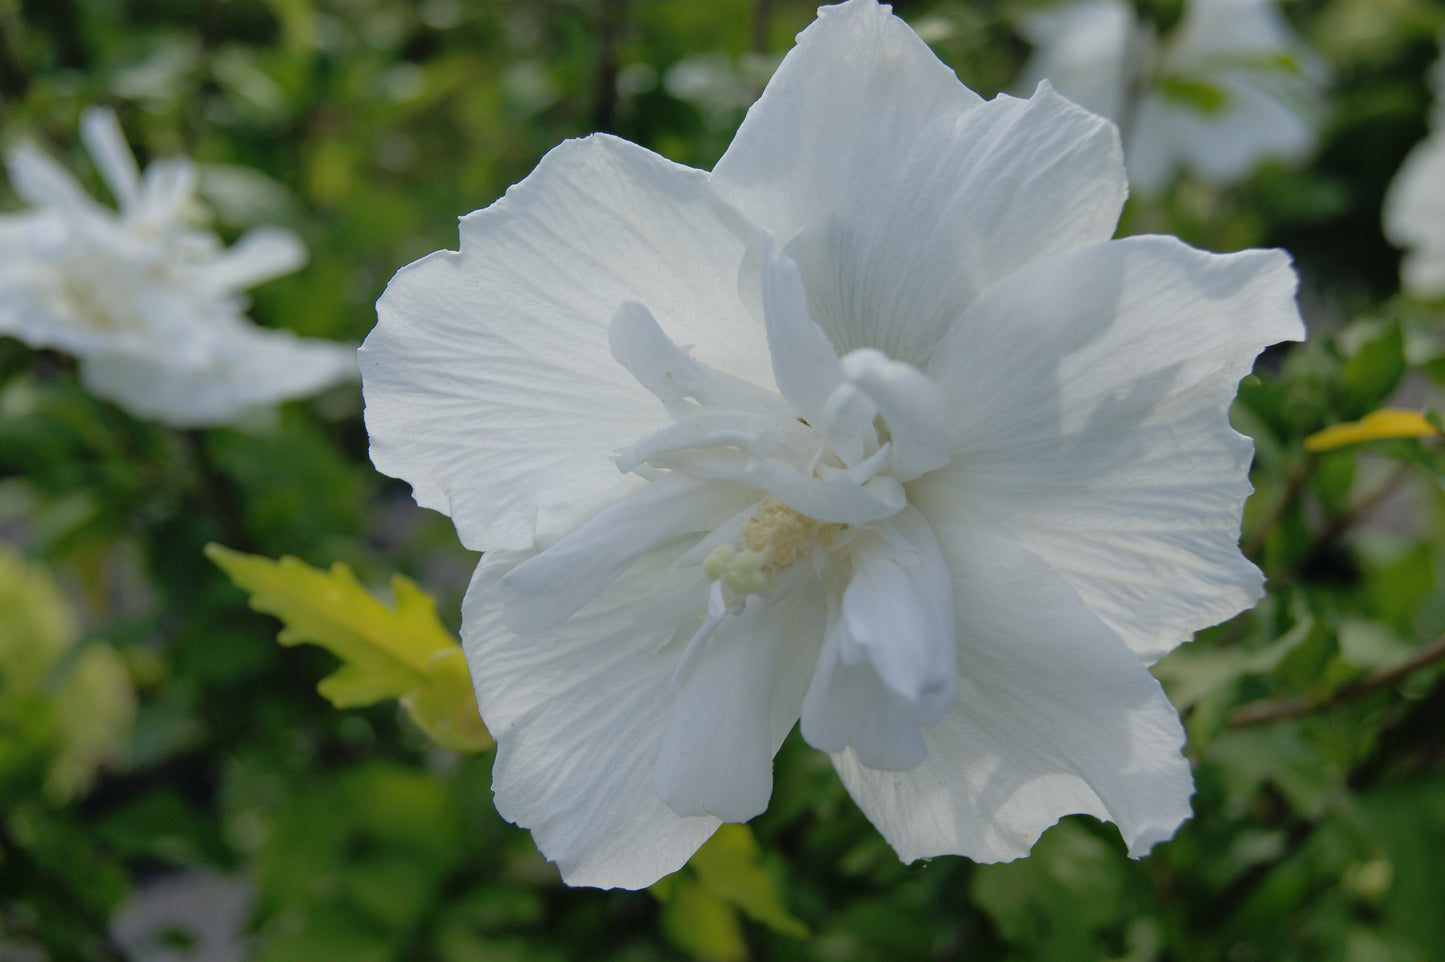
column 1054, row 716
column 549, row 587
column 580, row 717
column 848, row 708
column 103, row 138
column 40, row 181
column 899, row 611
column 1224, row 146
column 511, row 332
column 1087, row 50
column 888, row 664
column 258, row 256
column 735, row 705
column 639, row 344
column 248, row 368
column 1414, row 216
column 1090, row 397
column 804, row 363
column 910, row 194
column 913, row 407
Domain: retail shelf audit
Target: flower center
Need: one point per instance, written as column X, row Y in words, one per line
column 781, row 534
column 773, row 539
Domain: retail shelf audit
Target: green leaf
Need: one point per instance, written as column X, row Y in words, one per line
column 1370, row 376
column 401, row 652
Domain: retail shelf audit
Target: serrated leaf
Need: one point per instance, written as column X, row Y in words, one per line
column 402, row 652
column 1384, row 424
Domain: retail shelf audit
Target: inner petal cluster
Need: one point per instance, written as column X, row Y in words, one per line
column 779, row 498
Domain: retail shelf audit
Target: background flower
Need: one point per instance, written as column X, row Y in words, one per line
column 1414, row 212
column 152, row 306
column 1230, row 86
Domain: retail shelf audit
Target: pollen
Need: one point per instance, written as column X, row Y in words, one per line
column 780, row 534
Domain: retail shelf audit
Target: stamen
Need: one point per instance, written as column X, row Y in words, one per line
column 780, row 533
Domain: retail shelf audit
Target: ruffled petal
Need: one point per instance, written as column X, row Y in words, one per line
column 511, row 333
column 911, row 195
column 1090, row 397
column 805, row 365
column 548, row 588
column 580, row 715
column 578, row 718
column 913, row 407
column 888, row 663
column 1054, row 716
column 734, row 706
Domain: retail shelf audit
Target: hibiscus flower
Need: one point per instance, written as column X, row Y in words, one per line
column 1414, row 213
column 1229, row 87
column 872, row 427
column 150, row 305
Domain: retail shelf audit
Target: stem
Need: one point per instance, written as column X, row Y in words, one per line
column 604, row 84
column 1270, row 709
column 760, row 25
column 1357, row 511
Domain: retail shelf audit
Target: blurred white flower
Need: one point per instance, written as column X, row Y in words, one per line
column 872, row 427
column 1414, row 212
column 1229, row 87
column 151, row 306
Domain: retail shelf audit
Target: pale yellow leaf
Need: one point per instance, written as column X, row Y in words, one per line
column 400, row 652
column 1384, row 424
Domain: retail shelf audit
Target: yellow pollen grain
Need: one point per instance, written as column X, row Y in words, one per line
column 781, row 534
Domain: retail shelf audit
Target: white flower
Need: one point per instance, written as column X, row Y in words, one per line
column 1414, row 212
column 1231, row 85
column 873, row 426
column 152, row 307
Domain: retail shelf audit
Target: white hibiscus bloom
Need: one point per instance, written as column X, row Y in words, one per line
column 1414, row 213
column 152, row 307
column 872, row 427
column 1229, row 87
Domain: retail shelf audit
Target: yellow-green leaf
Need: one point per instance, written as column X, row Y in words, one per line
column 701, row 924
column 36, row 626
column 402, row 652
column 446, row 709
column 1384, row 424
column 95, row 708
column 730, row 866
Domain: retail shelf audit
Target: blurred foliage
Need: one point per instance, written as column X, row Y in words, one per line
column 189, row 739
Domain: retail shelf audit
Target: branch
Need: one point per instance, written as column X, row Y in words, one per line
column 1270, row 709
